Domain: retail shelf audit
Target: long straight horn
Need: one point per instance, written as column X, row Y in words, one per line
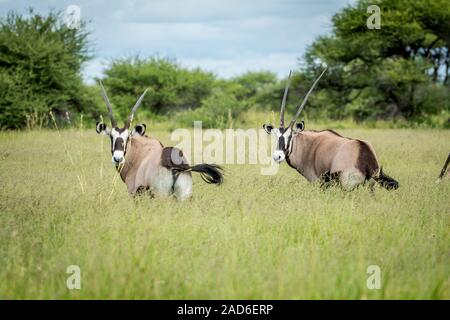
column 138, row 103
column 300, row 109
column 283, row 102
column 108, row 104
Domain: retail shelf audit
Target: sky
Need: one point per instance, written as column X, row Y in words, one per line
column 227, row 37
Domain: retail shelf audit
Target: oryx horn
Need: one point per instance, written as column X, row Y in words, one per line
column 108, row 104
column 283, row 102
column 138, row 103
column 306, row 99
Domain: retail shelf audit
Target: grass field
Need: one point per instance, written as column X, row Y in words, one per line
column 254, row 237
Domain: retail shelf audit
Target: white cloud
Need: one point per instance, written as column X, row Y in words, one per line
column 279, row 63
column 227, row 36
column 93, row 69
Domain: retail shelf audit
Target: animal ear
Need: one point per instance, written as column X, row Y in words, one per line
column 101, row 128
column 268, row 128
column 299, row 127
column 139, row 129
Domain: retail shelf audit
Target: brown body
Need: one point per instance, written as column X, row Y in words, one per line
column 317, row 153
column 145, row 164
column 325, row 155
column 145, row 169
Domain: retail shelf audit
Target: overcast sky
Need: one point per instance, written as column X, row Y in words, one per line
column 227, row 37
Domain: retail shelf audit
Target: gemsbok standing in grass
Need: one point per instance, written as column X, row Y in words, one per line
column 444, row 170
column 145, row 164
column 325, row 155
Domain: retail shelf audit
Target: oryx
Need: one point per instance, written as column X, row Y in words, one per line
column 325, row 155
column 444, row 169
column 145, row 164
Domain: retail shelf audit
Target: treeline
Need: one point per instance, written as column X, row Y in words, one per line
column 187, row 94
column 400, row 71
column 40, row 65
column 397, row 73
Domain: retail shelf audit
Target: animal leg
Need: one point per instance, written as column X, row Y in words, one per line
column 163, row 184
column 351, row 178
column 444, row 169
column 372, row 183
column 183, row 186
column 141, row 191
column 328, row 179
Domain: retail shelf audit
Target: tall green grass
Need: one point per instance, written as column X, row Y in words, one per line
column 254, row 237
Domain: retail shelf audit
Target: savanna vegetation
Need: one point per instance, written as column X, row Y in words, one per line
column 40, row 70
column 255, row 236
column 399, row 71
column 397, row 74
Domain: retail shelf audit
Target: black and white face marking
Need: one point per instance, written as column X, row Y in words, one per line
column 119, row 139
column 284, row 139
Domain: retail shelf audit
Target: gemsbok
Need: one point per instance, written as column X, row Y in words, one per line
column 444, row 169
column 145, row 165
column 325, row 155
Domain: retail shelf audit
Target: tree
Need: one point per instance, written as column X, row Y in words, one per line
column 40, row 62
column 171, row 87
column 399, row 70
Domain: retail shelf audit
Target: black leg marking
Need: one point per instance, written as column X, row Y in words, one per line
column 175, row 175
column 142, row 191
column 328, row 179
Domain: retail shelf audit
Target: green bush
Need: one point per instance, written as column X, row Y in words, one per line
column 219, row 110
column 171, row 87
column 398, row 73
column 40, row 62
column 387, row 73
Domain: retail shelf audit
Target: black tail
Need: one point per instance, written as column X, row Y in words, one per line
column 210, row 173
column 385, row 181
